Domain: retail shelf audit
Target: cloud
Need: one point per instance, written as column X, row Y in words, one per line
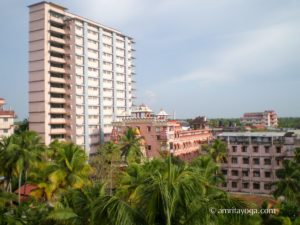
column 253, row 53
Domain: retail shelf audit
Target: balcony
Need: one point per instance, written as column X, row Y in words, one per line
column 56, row 49
column 57, row 30
column 57, row 59
column 58, row 100
column 59, row 70
column 58, row 90
column 57, row 20
column 58, row 80
column 58, row 131
column 58, row 121
column 57, row 40
column 58, row 110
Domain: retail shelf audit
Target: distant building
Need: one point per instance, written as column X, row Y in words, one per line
column 81, row 76
column 199, row 122
column 264, row 119
column 162, row 134
column 253, row 158
column 7, row 117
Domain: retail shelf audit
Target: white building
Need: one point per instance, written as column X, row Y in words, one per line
column 80, row 76
column 7, row 117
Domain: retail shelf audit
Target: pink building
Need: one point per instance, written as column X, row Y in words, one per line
column 267, row 118
column 162, row 134
column 253, row 158
column 6, row 120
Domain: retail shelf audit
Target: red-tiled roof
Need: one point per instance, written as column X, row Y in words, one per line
column 29, row 188
column 7, row 112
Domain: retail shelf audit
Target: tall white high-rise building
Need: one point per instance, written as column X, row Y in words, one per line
column 80, row 76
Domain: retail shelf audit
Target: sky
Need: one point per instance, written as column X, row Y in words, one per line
column 218, row 58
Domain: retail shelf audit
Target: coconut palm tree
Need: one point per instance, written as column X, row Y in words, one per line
column 20, row 153
column 67, row 169
column 7, row 167
column 288, row 184
column 173, row 194
column 218, row 151
column 208, row 169
column 76, row 206
column 131, row 145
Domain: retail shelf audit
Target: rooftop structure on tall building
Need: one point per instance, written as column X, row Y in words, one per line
column 253, row 158
column 7, row 117
column 161, row 133
column 264, row 119
column 81, row 76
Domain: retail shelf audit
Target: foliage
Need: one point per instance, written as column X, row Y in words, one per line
column 122, row 188
column 217, row 150
column 288, row 184
column 130, row 145
column 22, row 126
column 289, row 122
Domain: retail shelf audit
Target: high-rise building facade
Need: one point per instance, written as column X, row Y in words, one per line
column 80, row 76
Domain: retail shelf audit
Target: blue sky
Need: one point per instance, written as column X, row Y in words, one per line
column 194, row 57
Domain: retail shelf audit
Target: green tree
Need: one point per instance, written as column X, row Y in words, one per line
column 288, row 184
column 20, row 153
column 67, row 169
column 22, row 126
column 218, row 151
column 173, row 194
column 131, row 146
column 107, row 164
column 77, row 205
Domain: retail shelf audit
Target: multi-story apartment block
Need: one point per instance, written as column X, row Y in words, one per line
column 162, row 134
column 253, row 158
column 80, row 76
column 7, row 117
column 267, row 118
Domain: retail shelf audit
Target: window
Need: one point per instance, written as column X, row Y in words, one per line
column 234, row 172
column 246, row 185
column 5, row 119
column 256, row 173
column 224, row 185
column 245, row 160
column 278, row 162
column 278, row 149
column 244, row 149
column 57, row 126
column 256, row 186
column 57, row 115
column 234, row 148
column 267, row 174
column 234, row 160
column 224, row 172
column 57, row 136
column 5, row 131
column 234, row 184
column 267, row 149
column 149, row 128
column 256, row 161
column 255, row 149
column 245, row 173
column 149, row 147
column 267, row 186
column 267, row 161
